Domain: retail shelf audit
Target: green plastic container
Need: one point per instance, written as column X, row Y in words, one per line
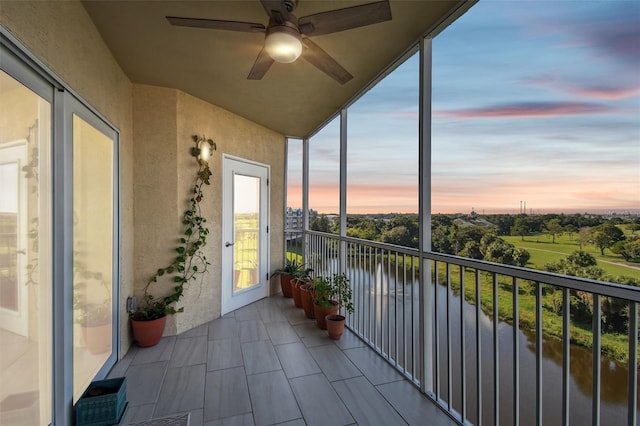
column 103, row 403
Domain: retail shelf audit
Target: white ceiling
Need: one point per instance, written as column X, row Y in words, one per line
column 293, row 99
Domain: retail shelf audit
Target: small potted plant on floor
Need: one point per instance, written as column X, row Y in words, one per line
column 292, row 268
column 329, row 295
column 300, row 278
column 306, row 297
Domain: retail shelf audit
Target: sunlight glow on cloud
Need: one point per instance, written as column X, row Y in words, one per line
column 609, row 93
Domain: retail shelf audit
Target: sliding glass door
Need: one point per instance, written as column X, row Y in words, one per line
column 58, row 244
column 93, row 250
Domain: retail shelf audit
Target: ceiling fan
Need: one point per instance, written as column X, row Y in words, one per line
column 287, row 37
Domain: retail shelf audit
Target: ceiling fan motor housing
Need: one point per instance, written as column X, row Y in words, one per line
column 290, row 4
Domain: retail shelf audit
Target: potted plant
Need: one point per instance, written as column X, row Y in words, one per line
column 329, row 295
column 335, row 322
column 292, row 269
column 306, row 297
column 335, row 325
column 303, row 276
column 148, row 319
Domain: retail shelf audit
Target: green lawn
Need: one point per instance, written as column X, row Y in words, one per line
column 543, row 251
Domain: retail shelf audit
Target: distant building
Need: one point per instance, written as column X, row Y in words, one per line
column 293, row 225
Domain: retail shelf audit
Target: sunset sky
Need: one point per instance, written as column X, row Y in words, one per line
column 534, row 101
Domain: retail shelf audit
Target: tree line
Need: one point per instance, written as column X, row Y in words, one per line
column 478, row 237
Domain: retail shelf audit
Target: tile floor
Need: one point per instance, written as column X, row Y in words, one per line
column 267, row 364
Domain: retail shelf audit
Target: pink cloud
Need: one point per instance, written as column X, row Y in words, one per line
column 527, row 109
column 606, row 92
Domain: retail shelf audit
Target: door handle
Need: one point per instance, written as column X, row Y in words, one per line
column 228, row 244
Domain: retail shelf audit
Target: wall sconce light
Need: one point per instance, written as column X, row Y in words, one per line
column 205, row 151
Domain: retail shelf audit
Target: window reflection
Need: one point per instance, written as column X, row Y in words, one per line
column 246, row 250
column 92, row 251
column 25, row 272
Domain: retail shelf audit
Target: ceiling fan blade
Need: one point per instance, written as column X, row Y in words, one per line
column 345, row 19
column 320, row 59
column 214, row 24
column 276, row 10
column 261, row 66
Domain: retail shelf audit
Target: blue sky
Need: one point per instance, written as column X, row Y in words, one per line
column 535, row 101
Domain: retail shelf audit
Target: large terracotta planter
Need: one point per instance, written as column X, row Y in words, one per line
column 335, row 325
column 148, row 333
column 285, row 284
column 295, row 293
column 306, row 294
column 321, row 312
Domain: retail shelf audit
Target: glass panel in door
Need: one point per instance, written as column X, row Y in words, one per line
column 25, row 258
column 93, row 213
column 246, row 221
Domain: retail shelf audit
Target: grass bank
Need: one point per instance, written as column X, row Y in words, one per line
column 614, row 345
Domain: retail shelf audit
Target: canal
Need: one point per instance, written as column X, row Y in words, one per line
column 388, row 314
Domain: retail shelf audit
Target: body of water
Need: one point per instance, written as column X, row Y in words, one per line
column 394, row 315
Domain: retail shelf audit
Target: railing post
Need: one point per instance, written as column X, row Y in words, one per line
column 516, row 353
column 633, row 362
column 538, row 354
column 305, row 199
column 596, row 330
column 424, row 184
column 566, row 354
column 343, row 189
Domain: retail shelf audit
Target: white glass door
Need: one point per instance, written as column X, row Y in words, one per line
column 245, row 250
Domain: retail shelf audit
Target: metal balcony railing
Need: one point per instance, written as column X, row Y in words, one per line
column 491, row 343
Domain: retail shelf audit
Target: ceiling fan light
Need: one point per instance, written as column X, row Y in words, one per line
column 283, row 44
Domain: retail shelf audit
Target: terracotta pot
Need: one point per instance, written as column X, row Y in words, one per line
column 321, row 312
column 295, row 292
column 285, row 284
column 335, row 325
column 97, row 338
column 306, row 295
column 148, row 333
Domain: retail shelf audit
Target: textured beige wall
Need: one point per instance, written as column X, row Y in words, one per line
column 165, row 121
column 156, row 219
column 236, row 136
column 61, row 35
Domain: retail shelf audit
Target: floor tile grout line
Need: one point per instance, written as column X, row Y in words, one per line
column 375, row 387
column 164, row 376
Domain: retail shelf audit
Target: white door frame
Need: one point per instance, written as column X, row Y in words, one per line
column 232, row 166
